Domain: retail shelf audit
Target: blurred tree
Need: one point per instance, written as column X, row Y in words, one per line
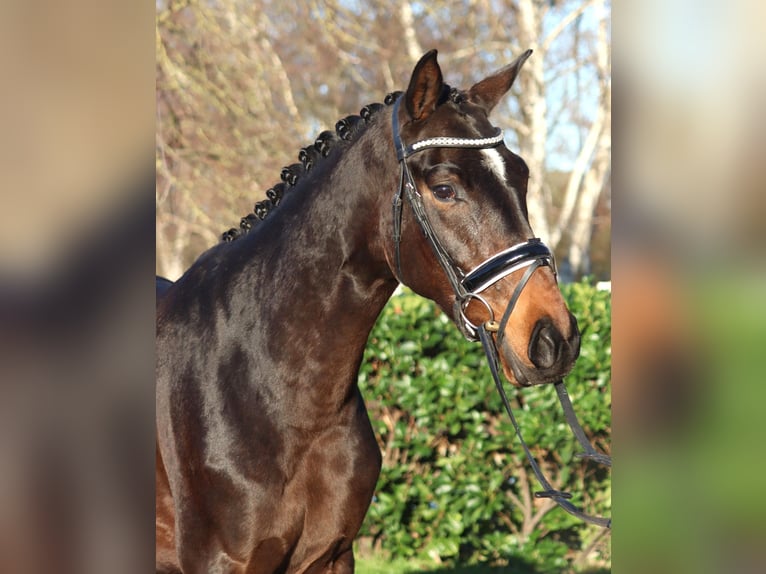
column 241, row 86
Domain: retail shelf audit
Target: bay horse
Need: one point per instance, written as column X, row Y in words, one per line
column 266, row 458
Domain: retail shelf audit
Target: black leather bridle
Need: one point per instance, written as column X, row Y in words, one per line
column 466, row 286
column 530, row 254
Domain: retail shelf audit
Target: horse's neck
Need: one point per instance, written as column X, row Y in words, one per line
column 313, row 279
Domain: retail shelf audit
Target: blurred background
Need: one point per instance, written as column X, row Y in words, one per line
column 76, row 294
column 689, row 297
column 85, row 82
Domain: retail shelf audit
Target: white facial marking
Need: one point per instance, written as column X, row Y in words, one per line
column 494, row 161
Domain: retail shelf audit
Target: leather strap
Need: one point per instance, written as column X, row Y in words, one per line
column 512, row 301
column 408, row 188
column 560, row 497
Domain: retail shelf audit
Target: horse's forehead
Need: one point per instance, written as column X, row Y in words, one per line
column 495, row 163
column 469, row 122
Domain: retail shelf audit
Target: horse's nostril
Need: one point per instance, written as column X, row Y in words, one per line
column 544, row 345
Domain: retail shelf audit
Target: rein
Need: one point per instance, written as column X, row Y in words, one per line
column 530, row 254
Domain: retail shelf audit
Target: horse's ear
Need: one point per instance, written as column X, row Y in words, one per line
column 425, row 87
column 489, row 91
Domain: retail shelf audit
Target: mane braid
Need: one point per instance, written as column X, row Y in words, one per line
column 346, row 130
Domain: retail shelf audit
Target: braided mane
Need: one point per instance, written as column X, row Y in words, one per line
column 346, row 130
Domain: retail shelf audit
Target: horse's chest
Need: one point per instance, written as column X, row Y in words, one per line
column 328, row 486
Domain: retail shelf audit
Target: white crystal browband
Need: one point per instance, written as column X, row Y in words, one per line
column 454, row 142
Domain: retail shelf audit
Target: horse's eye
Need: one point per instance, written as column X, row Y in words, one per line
column 443, row 192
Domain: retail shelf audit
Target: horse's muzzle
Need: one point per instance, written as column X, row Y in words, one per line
column 551, row 354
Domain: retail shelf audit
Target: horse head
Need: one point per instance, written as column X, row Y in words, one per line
column 461, row 231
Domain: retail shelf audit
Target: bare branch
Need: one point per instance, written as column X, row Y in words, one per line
column 545, row 45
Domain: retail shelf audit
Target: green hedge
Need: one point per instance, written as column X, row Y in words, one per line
column 455, row 485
